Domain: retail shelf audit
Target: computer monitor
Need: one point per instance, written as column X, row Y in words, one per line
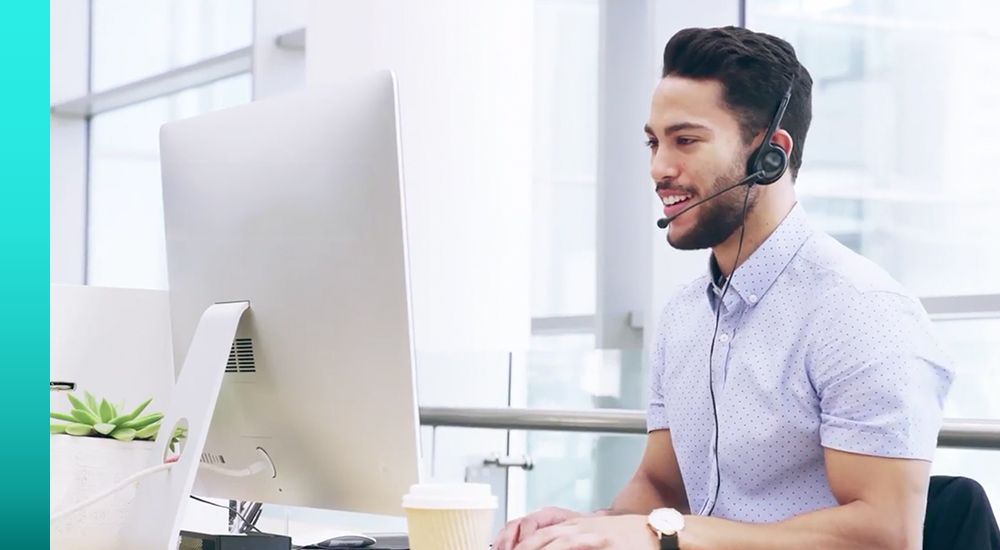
column 296, row 205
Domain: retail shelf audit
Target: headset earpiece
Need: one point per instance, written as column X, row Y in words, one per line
column 770, row 159
column 773, row 164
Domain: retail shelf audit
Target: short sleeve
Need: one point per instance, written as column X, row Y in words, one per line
column 879, row 373
column 656, row 412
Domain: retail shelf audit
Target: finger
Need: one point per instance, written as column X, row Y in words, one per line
column 580, row 541
column 527, row 527
column 508, row 536
column 540, row 520
column 540, row 538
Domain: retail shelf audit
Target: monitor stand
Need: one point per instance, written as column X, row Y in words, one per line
column 155, row 515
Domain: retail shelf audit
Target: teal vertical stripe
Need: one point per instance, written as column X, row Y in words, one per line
column 24, row 277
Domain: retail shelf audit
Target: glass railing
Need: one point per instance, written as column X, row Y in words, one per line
column 568, row 429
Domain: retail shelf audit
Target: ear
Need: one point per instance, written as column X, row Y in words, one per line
column 784, row 140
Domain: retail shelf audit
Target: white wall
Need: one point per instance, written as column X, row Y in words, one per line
column 112, row 342
column 68, row 78
column 277, row 70
column 465, row 83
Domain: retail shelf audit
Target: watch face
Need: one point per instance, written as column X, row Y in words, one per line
column 666, row 520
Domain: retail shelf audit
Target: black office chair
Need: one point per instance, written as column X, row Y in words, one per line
column 959, row 516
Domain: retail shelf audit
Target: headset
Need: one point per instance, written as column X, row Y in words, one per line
column 770, row 160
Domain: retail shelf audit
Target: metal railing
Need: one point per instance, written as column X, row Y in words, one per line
column 955, row 433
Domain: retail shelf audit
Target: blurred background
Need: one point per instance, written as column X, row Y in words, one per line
column 547, row 304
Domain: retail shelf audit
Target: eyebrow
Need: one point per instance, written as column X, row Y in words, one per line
column 679, row 127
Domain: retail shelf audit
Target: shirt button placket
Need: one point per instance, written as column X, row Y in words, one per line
column 720, row 359
column 718, row 367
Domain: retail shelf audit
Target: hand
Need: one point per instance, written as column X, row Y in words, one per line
column 520, row 529
column 592, row 533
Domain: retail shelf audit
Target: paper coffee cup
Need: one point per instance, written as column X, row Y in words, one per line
column 456, row 516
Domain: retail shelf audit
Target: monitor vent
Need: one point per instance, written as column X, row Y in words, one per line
column 209, row 458
column 241, row 356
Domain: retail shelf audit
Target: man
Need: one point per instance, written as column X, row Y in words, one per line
column 814, row 421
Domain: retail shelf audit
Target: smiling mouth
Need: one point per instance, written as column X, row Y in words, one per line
column 673, row 200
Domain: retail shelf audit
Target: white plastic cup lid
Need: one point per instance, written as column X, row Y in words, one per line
column 450, row 496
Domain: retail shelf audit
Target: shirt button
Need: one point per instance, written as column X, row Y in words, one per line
column 753, row 298
column 723, row 337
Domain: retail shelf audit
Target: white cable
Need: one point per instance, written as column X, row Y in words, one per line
column 254, row 469
column 121, row 485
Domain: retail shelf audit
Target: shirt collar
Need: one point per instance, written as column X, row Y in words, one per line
column 754, row 277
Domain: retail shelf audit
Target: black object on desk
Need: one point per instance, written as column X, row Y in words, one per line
column 191, row 540
column 383, row 541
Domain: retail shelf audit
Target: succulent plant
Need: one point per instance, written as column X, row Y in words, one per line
column 92, row 418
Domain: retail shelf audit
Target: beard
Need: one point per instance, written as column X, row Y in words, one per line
column 720, row 217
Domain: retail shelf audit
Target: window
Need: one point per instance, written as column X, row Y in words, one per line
column 904, row 126
column 895, row 166
column 565, row 161
column 134, row 40
column 130, row 42
column 125, row 236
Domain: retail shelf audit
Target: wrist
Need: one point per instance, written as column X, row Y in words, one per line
column 687, row 539
column 652, row 537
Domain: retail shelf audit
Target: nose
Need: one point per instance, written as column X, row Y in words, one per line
column 662, row 166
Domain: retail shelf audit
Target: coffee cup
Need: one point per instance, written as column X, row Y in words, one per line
column 449, row 516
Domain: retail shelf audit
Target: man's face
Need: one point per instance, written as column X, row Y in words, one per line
column 696, row 150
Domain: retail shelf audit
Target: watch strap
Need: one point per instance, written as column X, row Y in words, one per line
column 669, row 542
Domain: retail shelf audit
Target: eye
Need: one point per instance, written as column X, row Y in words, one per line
column 686, row 140
column 651, row 143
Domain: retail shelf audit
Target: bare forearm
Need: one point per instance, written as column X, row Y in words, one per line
column 847, row 527
column 641, row 496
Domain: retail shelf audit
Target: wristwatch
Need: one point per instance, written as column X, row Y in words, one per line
column 666, row 523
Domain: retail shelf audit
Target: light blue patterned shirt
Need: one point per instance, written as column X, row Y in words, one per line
column 817, row 347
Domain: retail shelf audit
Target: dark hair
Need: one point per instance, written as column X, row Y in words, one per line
column 755, row 70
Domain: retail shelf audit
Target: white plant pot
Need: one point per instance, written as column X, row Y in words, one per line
column 81, row 467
